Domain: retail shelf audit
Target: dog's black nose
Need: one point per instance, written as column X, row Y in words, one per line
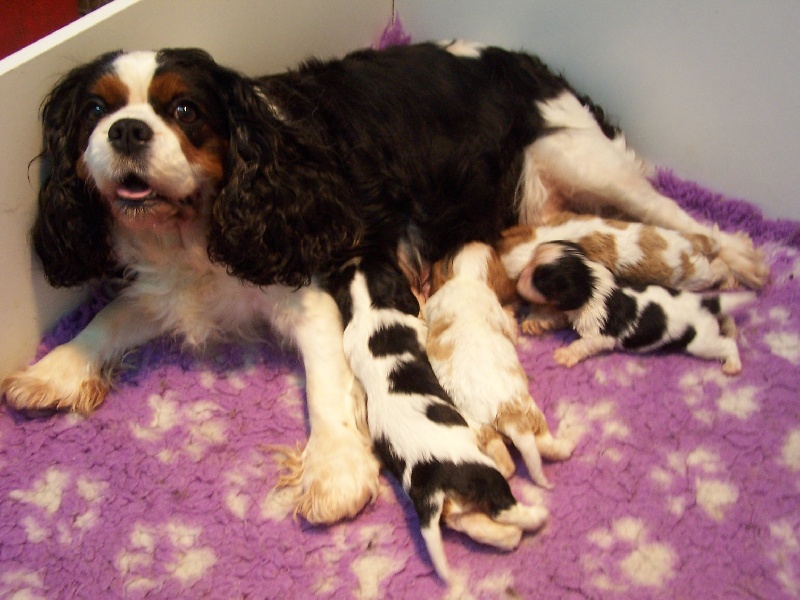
column 128, row 136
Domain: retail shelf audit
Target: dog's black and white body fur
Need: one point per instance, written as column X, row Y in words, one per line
column 229, row 201
column 608, row 315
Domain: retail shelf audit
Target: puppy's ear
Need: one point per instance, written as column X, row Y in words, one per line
column 285, row 212
column 71, row 231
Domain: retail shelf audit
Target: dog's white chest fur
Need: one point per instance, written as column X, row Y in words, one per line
column 177, row 285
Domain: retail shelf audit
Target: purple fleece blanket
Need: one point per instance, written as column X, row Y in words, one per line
column 684, row 484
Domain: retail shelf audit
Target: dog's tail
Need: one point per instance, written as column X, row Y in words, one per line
column 432, row 535
column 730, row 301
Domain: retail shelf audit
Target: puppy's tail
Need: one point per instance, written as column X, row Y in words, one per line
column 432, row 535
column 730, row 301
column 715, row 239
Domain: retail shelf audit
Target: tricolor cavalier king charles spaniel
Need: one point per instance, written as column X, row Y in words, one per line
column 226, row 202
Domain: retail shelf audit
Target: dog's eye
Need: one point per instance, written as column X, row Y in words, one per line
column 186, row 112
column 96, row 109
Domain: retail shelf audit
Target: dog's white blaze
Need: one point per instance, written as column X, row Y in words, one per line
column 136, row 70
column 167, row 167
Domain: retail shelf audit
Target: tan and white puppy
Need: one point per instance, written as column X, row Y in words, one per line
column 634, row 252
column 472, row 349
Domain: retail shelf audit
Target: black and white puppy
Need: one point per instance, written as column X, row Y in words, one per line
column 607, row 314
column 419, row 435
column 227, row 201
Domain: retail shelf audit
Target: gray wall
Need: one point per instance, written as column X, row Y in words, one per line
column 708, row 88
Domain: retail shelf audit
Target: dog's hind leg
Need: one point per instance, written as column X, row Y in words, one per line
column 525, row 424
column 525, row 442
column 717, row 347
column 727, row 326
column 580, row 167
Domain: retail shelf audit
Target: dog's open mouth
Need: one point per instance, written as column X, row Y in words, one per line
column 137, row 200
column 133, row 191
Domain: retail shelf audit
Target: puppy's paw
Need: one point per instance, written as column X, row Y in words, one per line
column 491, row 443
column 535, row 327
column 337, row 474
column 480, row 527
column 527, row 518
column 744, row 259
column 732, row 366
column 565, row 357
column 64, row 379
column 554, row 448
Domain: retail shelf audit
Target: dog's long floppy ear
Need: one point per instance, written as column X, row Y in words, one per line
column 285, row 212
column 70, row 233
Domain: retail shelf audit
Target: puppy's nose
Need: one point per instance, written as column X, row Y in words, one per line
column 128, row 136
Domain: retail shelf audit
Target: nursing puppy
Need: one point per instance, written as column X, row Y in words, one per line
column 471, row 347
column 638, row 253
column 417, row 432
column 634, row 252
column 609, row 315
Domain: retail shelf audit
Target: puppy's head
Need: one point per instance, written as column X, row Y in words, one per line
column 558, row 274
column 146, row 142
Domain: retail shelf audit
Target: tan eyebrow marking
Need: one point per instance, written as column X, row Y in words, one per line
column 111, row 89
column 165, row 87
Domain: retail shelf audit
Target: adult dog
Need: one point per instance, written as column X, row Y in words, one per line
column 225, row 202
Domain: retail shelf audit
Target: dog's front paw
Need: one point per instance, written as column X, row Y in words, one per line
column 337, row 474
column 535, row 327
column 64, row 380
column 744, row 259
column 566, row 357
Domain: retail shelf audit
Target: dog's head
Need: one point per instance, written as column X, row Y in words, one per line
column 148, row 141
column 558, row 274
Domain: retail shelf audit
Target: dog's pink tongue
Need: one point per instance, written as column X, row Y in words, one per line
column 133, row 188
column 131, row 194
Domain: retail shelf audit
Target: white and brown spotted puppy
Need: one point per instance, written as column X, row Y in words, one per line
column 607, row 315
column 472, row 349
column 634, row 252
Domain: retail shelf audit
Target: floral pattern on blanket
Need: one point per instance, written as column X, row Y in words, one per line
column 685, row 483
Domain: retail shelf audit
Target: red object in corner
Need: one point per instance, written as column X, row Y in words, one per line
column 22, row 22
